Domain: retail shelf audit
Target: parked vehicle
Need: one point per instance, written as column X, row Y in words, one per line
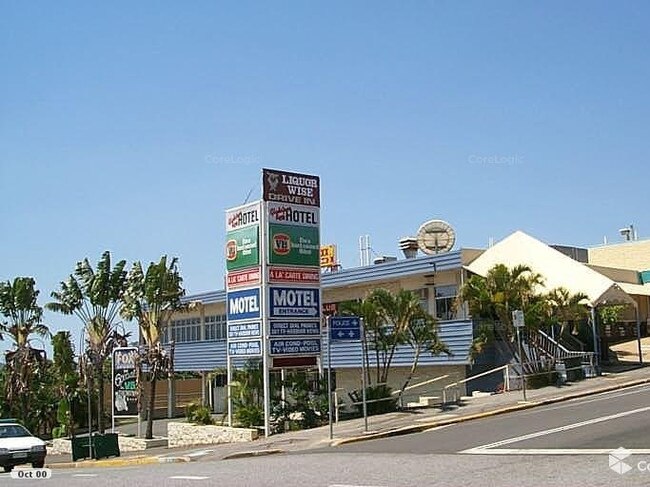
column 18, row 446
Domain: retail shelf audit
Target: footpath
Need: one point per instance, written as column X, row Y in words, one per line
column 381, row 426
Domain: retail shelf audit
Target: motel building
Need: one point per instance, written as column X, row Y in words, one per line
column 608, row 274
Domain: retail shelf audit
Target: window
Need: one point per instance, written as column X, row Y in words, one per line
column 184, row 330
column 215, row 327
column 446, row 302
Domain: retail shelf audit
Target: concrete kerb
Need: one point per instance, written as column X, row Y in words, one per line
column 252, row 453
column 120, row 462
column 405, row 430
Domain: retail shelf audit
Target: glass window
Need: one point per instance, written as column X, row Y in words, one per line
column 215, row 327
column 446, row 297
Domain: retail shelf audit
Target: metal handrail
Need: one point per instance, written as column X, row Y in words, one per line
column 414, row 386
column 482, row 374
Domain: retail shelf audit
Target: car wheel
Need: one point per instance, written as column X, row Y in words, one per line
column 8, row 468
column 40, row 464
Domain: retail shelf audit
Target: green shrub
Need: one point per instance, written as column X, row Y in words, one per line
column 379, row 400
column 249, row 416
column 198, row 414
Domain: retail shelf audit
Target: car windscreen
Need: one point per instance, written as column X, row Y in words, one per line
column 13, row 431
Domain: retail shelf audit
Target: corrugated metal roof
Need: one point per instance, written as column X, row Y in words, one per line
column 361, row 275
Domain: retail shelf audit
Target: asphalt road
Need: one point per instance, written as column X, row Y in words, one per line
column 563, row 444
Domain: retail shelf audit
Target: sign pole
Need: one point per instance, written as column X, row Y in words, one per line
column 329, row 379
column 264, row 289
column 112, row 393
column 228, row 388
column 363, row 377
column 521, row 363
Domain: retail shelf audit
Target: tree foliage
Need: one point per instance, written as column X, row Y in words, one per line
column 95, row 297
column 151, row 299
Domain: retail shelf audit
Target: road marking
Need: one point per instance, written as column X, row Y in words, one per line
column 188, row 477
column 352, row 485
column 553, row 451
column 481, row 449
column 603, row 396
column 199, row 453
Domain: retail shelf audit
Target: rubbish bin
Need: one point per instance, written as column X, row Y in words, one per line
column 106, row 445
column 80, row 448
column 102, row 446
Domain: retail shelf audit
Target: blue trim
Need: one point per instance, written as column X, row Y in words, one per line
column 361, row 275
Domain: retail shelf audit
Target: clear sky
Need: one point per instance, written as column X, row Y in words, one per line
column 132, row 126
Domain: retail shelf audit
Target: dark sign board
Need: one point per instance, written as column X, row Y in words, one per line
column 289, row 187
column 294, row 328
column 125, row 394
column 301, row 346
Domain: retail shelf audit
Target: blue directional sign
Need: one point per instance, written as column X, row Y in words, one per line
column 244, row 304
column 345, row 328
column 246, row 348
column 293, row 302
column 294, row 328
column 303, row 346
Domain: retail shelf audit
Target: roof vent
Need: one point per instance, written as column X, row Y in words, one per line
column 409, row 245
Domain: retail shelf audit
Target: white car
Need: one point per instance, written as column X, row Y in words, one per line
column 19, row 446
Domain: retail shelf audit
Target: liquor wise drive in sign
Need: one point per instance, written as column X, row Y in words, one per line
column 288, row 187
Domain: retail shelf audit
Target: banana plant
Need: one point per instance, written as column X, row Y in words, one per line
column 151, row 299
column 95, row 297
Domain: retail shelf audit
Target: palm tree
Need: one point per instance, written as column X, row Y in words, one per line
column 94, row 296
column 152, row 299
column 23, row 315
column 422, row 335
column 565, row 307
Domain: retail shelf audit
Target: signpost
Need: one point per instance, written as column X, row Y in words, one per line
column 348, row 329
column 124, row 383
column 518, row 322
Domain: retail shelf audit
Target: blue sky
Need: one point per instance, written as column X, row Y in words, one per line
column 133, row 126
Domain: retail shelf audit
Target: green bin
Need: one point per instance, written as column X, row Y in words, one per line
column 106, row 445
column 103, row 446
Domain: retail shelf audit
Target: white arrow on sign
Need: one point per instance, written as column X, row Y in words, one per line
column 340, row 334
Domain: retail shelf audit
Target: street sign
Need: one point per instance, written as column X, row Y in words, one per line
column 291, row 302
column 248, row 348
column 244, row 330
column 303, row 346
column 294, row 328
column 518, row 318
column 344, row 328
column 244, row 304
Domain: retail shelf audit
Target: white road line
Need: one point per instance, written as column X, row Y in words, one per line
column 188, row 477
column 352, row 485
column 481, row 449
column 199, row 453
column 552, row 451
